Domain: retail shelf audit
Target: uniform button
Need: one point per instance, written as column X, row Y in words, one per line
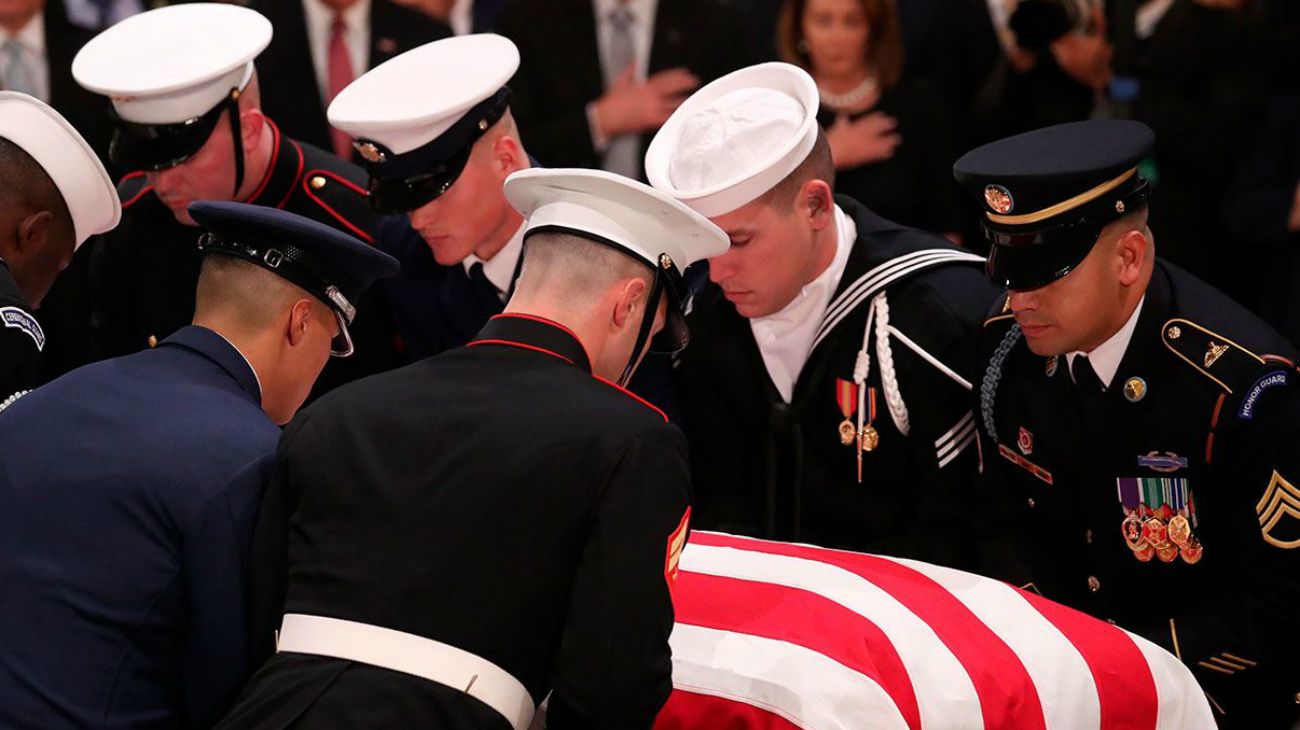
column 317, row 182
column 1094, row 585
column 1030, row 502
column 1087, row 536
column 153, row 341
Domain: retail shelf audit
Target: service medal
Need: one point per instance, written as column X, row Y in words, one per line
column 1132, row 530
column 1180, row 530
column 1192, row 551
column 846, row 397
column 1154, row 531
column 1167, row 553
column 1144, row 553
column 870, row 438
column 847, row 432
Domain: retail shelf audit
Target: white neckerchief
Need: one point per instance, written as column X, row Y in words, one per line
column 1106, row 357
column 32, row 39
column 500, row 269
column 785, row 339
column 319, row 17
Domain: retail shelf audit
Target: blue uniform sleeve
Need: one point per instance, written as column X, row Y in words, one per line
column 217, row 544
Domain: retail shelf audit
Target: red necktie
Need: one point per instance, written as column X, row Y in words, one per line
column 340, row 75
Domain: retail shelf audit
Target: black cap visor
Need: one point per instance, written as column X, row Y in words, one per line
column 403, row 194
column 1025, row 261
column 139, row 146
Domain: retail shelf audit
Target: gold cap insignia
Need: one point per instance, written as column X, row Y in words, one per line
column 1135, row 389
column 370, row 152
column 665, row 261
column 1119, row 207
column 1214, row 352
column 999, row 199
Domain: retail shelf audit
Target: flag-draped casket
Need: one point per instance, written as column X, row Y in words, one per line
column 777, row 635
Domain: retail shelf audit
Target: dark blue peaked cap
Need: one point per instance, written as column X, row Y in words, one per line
column 327, row 263
column 1047, row 194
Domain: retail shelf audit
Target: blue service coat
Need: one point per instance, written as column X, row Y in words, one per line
column 128, row 490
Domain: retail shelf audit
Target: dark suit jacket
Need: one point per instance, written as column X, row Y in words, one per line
column 560, row 69
column 290, row 94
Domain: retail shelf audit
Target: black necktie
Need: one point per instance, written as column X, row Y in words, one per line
column 484, row 289
column 1085, row 378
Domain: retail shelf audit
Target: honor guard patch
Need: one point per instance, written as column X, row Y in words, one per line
column 1247, row 410
column 15, row 318
column 1279, row 513
column 673, row 556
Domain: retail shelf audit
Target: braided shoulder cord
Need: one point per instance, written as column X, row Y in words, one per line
column 888, row 375
column 993, row 376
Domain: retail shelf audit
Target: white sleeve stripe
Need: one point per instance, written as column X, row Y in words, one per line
column 953, row 432
column 966, row 442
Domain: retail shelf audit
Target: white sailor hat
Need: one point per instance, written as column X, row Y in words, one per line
column 170, row 74
column 736, row 138
column 627, row 215
column 416, row 117
column 56, row 146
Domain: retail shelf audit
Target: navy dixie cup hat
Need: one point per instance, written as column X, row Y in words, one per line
column 1047, row 194
column 416, row 117
column 326, row 263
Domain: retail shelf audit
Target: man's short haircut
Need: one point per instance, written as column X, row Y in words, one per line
column 24, row 185
column 576, row 268
column 249, row 294
column 818, row 165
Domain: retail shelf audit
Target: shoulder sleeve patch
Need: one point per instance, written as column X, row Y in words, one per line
column 1228, row 364
column 21, row 320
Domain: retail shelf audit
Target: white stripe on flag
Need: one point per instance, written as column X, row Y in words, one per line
column 945, row 695
column 1182, row 703
column 809, row 689
column 1061, row 676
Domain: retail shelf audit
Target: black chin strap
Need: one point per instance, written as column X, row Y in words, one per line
column 647, row 322
column 237, row 137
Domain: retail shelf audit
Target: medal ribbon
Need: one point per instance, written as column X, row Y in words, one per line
column 1128, row 494
column 846, row 395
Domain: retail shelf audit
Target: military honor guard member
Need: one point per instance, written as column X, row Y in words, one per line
column 1139, row 428
column 129, row 487
column 187, row 114
column 436, row 134
column 513, row 528
column 828, row 389
column 54, row 194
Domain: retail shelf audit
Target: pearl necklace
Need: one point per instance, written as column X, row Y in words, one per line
column 848, row 99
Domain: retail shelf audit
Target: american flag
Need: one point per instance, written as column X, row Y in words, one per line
column 777, row 636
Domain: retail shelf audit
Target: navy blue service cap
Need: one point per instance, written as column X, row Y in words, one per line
column 416, row 117
column 1047, row 194
column 326, row 263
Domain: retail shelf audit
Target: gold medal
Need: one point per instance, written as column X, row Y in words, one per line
column 870, row 438
column 1144, row 553
column 1132, row 531
column 1180, row 530
column 847, row 432
column 1192, row 551
column 1167, row 553
column 1154, row 531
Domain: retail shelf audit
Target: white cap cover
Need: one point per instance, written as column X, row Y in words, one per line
column 408, row 101
column 56, row 146
column 175, row 63
column 637, row 218
column 736, row 138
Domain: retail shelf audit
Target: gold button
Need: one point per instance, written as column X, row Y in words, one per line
column 317, row 182
column 153, row 341
column 1087, row 536
column 1030, row 502
column 1094, row 585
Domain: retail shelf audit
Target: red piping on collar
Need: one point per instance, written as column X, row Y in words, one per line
column 306, row 187
column 270, row 169
column 633, row 396
column 297, row 175
column 551, row 322
column 512, row 343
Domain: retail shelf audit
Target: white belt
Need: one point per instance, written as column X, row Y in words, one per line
column 410, row 654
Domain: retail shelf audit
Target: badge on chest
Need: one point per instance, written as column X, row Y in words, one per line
column 860, row 400
column 1159, row 519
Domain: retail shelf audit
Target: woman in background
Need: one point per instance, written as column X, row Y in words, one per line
column 890, row 138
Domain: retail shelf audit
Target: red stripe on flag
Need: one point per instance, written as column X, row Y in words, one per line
column 691, row 711
column 798, row 617
column 1008, row 698
column 1126, row 690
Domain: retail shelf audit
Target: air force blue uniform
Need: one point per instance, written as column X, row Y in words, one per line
column 114, row 474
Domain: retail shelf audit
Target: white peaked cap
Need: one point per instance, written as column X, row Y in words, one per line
column 736, row 138
column 631, row 215
column 410, row 100
column 56, row 146
column 175, row 63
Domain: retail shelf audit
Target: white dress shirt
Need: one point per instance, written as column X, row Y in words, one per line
column 32, row 39
column 1106, row 357
column 319, row 18
column 500, row 269
column 785, row 339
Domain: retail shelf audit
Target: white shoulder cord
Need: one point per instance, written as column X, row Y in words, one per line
column 862, row 368
column 888, row 376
